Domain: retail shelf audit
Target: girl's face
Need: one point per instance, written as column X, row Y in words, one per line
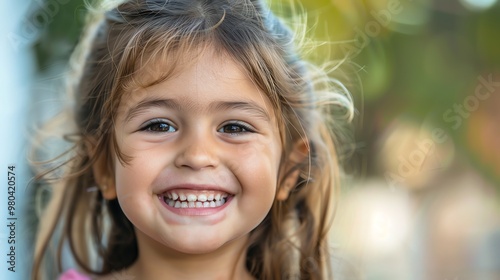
column 205, row 152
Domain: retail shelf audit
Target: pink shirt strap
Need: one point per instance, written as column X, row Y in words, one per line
column 73, row 275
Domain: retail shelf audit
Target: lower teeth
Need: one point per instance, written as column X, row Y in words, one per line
column 194, row 204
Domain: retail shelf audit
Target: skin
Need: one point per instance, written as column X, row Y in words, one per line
column 199, row 137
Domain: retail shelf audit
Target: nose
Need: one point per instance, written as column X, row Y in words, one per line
column 197, row 152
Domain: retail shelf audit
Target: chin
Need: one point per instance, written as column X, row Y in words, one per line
column 197, row 248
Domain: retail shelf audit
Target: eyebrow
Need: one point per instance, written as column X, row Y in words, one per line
column 249, row 106
column 148, row 103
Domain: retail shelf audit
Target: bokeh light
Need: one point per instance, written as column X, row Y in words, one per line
column 478, row 4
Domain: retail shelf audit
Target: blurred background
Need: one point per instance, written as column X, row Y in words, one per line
column 421, row 196
column 420, row 199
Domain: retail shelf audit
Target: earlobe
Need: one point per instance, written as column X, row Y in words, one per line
column 288, row 186
column 299, row 154
column 102, row 171
column 107, row 188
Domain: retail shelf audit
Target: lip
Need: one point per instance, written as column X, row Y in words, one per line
column 195, row 211
column 194, row 187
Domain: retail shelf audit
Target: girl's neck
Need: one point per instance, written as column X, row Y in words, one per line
column 224, row 264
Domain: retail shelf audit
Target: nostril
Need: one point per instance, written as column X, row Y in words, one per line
column 196, row 158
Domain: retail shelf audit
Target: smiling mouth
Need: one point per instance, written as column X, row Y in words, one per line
column 186, row 199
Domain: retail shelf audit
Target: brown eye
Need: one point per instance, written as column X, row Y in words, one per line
column 158, row 126
column 235, row 128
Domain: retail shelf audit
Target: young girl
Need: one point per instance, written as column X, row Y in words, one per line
column 203, row 150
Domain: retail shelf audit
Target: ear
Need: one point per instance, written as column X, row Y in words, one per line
column 298, row 154
column 102, row 169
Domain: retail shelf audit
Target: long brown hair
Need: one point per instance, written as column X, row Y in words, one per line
column 291, row 242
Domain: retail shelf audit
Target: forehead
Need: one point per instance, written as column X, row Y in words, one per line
column 198, row 78
column 155, row 67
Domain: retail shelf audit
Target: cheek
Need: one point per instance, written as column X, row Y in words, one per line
column 261, row 158
column 133, row 184
column 139, row 172
column 257, row 175
column 256, row 168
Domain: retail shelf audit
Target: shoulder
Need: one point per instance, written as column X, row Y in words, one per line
column 73, row 275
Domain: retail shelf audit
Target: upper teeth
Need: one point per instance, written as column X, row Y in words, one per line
column 190, row 200
column 193, row 197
